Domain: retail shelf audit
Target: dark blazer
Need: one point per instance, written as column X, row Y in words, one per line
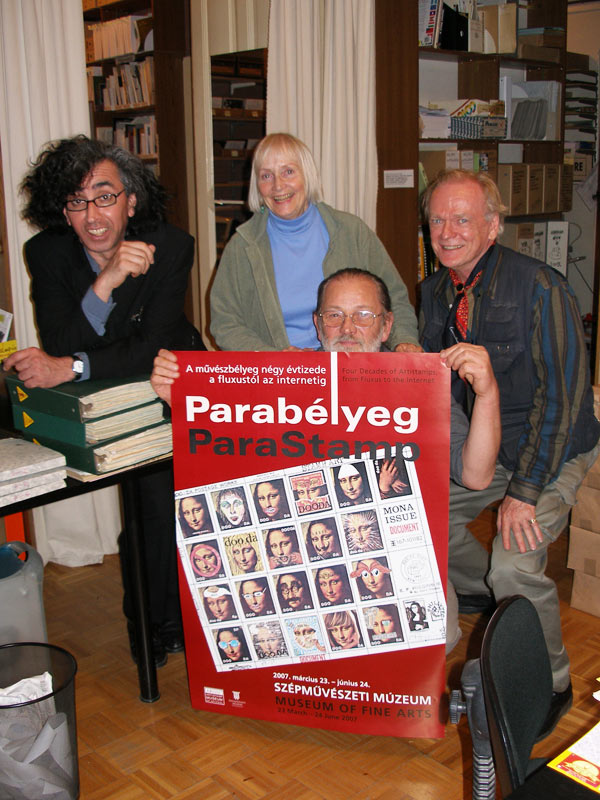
column 149, row 308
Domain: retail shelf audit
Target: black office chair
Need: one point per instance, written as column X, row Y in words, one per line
column 508, row 693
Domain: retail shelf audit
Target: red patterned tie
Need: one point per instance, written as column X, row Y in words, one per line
column 462, row 309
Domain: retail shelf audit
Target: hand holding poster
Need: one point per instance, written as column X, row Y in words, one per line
column 311, row 496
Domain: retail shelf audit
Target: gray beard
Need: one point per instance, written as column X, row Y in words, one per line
column 374, row 347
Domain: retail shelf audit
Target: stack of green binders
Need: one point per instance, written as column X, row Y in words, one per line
column 99, row 425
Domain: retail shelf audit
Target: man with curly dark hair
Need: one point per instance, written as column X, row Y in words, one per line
column 108, row 274
column 108, row 282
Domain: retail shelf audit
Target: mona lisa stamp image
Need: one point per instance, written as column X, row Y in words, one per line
column 339, row 536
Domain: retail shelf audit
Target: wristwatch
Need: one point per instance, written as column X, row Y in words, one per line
column 77, row 367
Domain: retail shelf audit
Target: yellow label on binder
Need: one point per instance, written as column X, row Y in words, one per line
column 7, row 348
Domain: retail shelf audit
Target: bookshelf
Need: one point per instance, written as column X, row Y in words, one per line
column 581, row 113
column 146, row 109
column 238, row 117
column 407, row 73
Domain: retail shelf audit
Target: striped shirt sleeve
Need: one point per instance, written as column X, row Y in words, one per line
column 560, row 362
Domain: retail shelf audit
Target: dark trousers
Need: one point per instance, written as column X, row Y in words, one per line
column 158, row 526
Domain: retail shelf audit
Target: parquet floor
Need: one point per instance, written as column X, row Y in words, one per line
column 134, row 751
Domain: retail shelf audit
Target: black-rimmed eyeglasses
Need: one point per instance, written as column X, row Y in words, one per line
column 102, row 201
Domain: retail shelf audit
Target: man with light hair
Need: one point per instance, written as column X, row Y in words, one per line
column 526, row 316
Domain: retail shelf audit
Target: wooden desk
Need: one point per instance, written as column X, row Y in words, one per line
column 127, row 479
column 548, row 784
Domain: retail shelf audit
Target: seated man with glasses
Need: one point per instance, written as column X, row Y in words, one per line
column 108, row 282
column 354, row 315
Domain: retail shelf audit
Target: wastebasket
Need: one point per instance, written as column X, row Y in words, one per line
column 38, row 738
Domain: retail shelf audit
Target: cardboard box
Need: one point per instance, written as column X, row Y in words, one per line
column 586, row 511
column 546, row 38
column 475, row 35
column 434, row 161
column 254, row 104
column 582, row 166
column 536, row 53
column 507, row 28
column 557, row 246
column 550, row 202
column 540, row 232
column 578, row 61
column 584, row 551
column 586, row 593
column 592, row 479
column 535, row 188
column 469, row 107
column 566, row 187
column 499, row 28
column 489, row 17
column 467, row 160
column 512, row 183
column 518, row 236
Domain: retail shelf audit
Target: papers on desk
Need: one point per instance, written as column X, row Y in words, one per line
column 28, row 470
column 581, row 762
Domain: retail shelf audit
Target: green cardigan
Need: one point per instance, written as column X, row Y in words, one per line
column 244, row 305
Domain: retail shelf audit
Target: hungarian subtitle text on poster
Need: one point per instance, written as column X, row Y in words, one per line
column 311, row 498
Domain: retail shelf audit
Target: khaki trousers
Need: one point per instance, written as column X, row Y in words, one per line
column 472, row 570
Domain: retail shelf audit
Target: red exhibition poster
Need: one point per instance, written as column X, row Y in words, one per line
column 311, row 496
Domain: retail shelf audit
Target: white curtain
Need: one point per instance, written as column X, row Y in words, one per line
column 321, row 88
column 43, row 96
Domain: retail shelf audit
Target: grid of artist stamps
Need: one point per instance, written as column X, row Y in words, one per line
column 328, row 560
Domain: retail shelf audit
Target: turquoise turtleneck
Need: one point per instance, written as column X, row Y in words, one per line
column 298, row 247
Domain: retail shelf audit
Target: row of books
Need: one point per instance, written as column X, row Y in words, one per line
column 486, row 28
column 118, row 37
column 138, row 135
column 481, row 29
column 99, row 426
column 127, row 85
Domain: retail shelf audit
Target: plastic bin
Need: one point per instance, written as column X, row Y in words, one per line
column 21, row 598
column 38, row 738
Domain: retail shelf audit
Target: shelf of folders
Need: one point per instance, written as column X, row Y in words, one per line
column 581, row 105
